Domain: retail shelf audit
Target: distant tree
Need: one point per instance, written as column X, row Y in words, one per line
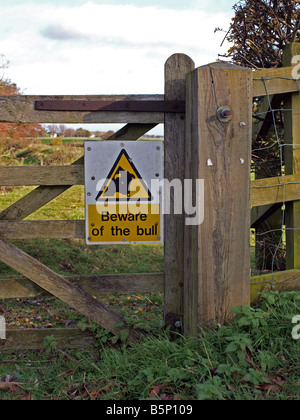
column 81, row 132
column 62, row 130
column 12, row 133
column 108, row 134
column 69, row 132
column 52, row 129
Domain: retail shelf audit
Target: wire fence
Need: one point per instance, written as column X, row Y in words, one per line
column 274, row 238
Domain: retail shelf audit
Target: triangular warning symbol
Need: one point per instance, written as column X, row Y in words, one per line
column 124, row 182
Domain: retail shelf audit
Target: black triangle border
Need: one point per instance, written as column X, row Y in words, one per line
column 124, row 152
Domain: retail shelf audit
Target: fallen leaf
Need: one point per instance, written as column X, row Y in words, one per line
column 154, row 393
column 9, row 385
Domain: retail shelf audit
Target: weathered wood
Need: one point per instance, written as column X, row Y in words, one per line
column 41, row 175
column 288, row 280
column 275, row 190
column 31, row 202
column 120, row 283
column 176, row 69
column 19, row 287
column 277, row 81
column 292, row 163
column 62, row 288
column 42, row 195
column 217, row 252
column 43, row 229
column 116, row 106
column 260, row 214
column 33, row 339
column 94, row 285
column 17, row 108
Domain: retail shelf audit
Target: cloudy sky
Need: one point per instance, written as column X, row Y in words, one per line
column 106, row 46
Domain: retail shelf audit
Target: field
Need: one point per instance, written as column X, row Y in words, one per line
column 253, row 358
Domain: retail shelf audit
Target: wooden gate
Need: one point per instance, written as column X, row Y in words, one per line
column 207, row 266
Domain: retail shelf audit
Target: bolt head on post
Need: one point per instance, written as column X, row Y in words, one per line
column 224, row 113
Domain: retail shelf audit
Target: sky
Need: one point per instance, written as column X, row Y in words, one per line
column 87, row 47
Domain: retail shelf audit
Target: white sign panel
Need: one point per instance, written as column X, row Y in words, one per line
column 123, row 201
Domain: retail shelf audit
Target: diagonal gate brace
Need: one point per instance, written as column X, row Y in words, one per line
column 63, row 289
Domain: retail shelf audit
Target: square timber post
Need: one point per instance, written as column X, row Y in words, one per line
column 218, row 151
column 176, row 69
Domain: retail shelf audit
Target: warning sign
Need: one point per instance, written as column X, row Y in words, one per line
column 124, row 182
column 123, row 201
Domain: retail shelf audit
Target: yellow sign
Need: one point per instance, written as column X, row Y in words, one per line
column 123, row 204
column 124, row 223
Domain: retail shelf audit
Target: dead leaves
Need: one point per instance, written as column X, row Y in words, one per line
column 8, row 384
column 274, row 387
column 163, row 392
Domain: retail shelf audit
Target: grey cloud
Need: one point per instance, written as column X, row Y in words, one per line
column 60, row 33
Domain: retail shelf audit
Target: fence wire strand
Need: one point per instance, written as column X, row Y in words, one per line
column 278, row 142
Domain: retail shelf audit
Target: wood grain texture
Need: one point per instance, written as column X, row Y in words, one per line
column 176, row 69
column 97, row 285
column 288, row 280
column 217, row 252
column 275, row 190
column 276, row 81
column 41, row 175
column 21, row 109
column 33, row 339
column 43, row 229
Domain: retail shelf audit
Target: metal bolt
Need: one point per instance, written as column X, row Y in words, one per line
column 89, row 149
column 224, row 113
column 89, row 238
column 158, row 148
column 122, row 144
column 89, row 194
column 93, row 178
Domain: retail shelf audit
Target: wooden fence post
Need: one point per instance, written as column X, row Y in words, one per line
column 217, row 252
column 176, row 69
column 292, row 162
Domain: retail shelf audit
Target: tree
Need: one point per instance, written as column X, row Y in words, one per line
column 81, row 132
column 69, row 132
column 11, row 133
column 260, row 29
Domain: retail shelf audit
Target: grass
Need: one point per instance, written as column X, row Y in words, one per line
column 252, row 358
